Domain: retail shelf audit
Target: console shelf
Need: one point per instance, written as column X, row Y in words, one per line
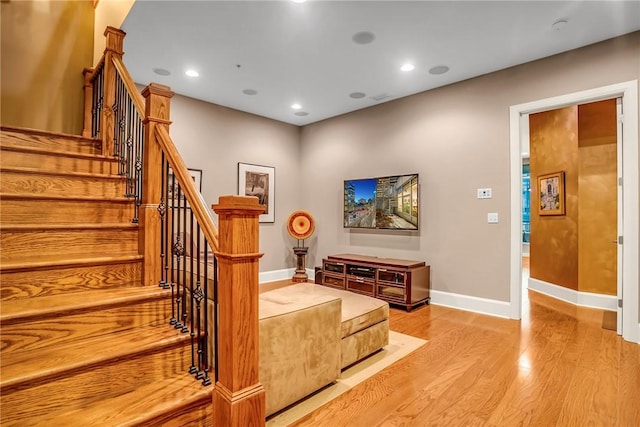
column 397, row 281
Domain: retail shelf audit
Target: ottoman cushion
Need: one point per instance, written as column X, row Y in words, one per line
column 358, row 311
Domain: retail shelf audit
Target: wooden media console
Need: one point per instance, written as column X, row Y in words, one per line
column 397, row 281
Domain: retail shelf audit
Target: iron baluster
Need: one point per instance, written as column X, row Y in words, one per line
column 183, row 207
column 178, row 251
column 214, row 321
column 172, row 233
column 194, row 298
column 162, row 211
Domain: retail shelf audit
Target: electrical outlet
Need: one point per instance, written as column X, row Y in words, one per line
column 492, row 218
column 484, row 193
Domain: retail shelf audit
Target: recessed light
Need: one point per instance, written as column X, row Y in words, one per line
column 357, row 95
column 301, row 113
column 296, row 106
column 363, row 37
column 299, row 1
column 250, row 92
column 192, row 73
column 407, row 67
column 161, row 72
column 440, row 69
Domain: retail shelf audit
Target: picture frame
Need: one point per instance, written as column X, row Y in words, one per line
column 551, row 196
column 196, row 175
column 259, row 181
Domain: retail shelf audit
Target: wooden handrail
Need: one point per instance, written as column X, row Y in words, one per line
column 132, row 90
column 180, row 170
column 193, row 195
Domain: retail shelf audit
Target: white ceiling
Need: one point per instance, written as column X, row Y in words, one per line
column 304, row 52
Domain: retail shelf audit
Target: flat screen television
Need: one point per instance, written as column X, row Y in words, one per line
column 389, row 202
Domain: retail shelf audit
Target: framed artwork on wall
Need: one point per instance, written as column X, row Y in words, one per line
column 551, row 193
column 172, row 183
column 259, row 181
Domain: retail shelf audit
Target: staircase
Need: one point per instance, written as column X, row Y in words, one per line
column 83, row 342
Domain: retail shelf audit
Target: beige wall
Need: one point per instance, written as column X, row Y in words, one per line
column 457, row 139
column 215, row 139
column 45, row 46
column 109, row 13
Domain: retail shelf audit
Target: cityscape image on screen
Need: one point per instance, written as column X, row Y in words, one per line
column 389, row 202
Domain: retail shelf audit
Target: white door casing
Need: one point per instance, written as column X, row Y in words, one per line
column 628, row 92
column 620, row 230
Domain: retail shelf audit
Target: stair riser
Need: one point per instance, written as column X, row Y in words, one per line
column 70, row 328
column 53, row 143
column 18, row 245
column 27, row 284
column 35, row 211
column 93, row 385
column 56, row 163
column 17, row 182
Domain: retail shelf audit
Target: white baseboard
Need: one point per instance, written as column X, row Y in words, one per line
column 585, row 299
column 470, row 303
column 447, row 299
column 287, row 273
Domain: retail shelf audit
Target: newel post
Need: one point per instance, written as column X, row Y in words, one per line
column 114, row 48
column 238, row 397
column 87, row 73
column 157, row 109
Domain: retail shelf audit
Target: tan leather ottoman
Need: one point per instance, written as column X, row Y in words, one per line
column 299, row 346
column 364, row 320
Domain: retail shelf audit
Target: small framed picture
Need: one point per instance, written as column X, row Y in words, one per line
column 258, row 181
column 551, row 191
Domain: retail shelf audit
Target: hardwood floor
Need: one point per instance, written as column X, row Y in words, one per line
column 556, row 367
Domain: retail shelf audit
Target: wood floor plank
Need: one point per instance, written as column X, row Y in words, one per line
column 555, row 367
column 628, row 395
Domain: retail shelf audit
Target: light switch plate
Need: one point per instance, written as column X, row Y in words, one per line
column 484, row 193
column 492, row 218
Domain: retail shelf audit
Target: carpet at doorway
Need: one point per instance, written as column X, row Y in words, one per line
column 400, row 345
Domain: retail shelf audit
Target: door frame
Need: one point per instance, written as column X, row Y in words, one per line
column 628, row 92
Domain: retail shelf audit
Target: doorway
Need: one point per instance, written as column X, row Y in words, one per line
column 519, row 130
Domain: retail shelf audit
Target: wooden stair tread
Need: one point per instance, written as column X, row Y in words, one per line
column 66, row 261
column 36, row 171
column 26, row 367
column 50, row 305
column 34, row 196
column 69, row 226
column 40, row 132
column 139, row 407
column 74, row 154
